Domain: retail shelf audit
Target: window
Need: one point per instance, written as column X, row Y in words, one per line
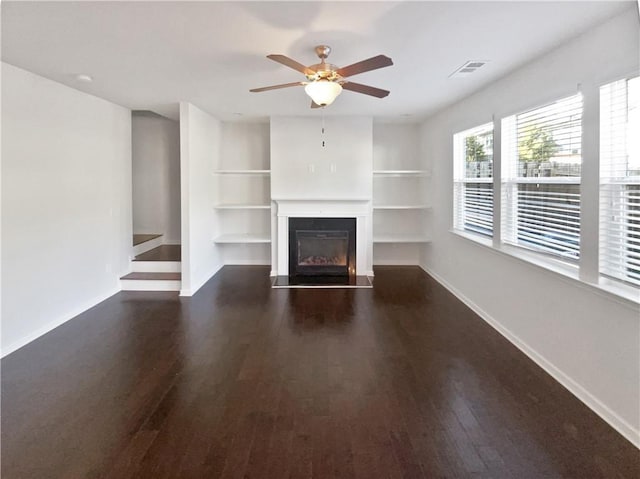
column 473, row 180
column 620, row 180
column 541, row 168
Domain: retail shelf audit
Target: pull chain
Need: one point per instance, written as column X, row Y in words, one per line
column 322, row 127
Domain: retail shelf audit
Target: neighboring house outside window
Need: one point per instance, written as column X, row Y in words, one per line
column 473, row 180
column 541, row 175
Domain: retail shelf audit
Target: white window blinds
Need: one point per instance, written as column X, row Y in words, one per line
column 473, row 180
column 542, row 158
column 620, row 180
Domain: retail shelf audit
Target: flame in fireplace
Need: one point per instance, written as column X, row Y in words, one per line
column 319, row 260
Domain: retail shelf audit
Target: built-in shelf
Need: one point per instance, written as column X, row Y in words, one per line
column 242, row 207
column 242, row 172
column 400, row 173
column 401, row 207
column 242, row 239
column 400, row 239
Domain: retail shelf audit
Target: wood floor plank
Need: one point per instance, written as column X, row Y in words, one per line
column 143, row 238
column 245, row 381
column 165, row 252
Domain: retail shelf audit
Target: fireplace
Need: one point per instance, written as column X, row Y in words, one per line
column 322, row 247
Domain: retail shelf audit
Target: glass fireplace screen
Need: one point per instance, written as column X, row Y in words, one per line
column 322, row 248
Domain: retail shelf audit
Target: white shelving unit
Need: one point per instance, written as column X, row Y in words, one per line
column 400, row 199
column 391, row 173
column 242, row 239
column 401, row 207
column 242, row 205
column 400, row 239
column 243, row 172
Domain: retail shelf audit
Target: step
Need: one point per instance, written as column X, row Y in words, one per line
column 143, row 243
column 165, row 252
column 151, row 282
column 162, row 259
column 156, row 266
column 143, row 238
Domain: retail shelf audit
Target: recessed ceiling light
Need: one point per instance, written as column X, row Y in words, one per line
column 81, row 77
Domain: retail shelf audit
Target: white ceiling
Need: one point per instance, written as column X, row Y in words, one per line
column 151, row 55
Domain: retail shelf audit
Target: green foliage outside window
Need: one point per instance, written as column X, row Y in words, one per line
column 536, row 146
column 474, row 150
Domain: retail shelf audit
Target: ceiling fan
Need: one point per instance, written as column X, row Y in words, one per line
column 326, row 81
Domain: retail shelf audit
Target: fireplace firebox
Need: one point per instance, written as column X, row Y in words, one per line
column 322, row 247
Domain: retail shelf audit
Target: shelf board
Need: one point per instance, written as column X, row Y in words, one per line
column 401, row 207
column 400, row 173
column 241, row 207
column 400, row 239
column 242, row 239
column 242, row 172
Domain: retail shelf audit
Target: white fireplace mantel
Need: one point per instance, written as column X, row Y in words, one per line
column 359, row 208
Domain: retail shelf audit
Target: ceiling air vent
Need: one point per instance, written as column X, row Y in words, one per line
column 467, row 69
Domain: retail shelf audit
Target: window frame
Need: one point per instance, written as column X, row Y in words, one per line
column 578, row 272
column 510, row 193
column 460, row 181
column 612, row 189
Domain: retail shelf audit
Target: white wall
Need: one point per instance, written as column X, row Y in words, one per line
column 199, row 154
column 245, row 146
column 396, row 146
column 587, row 339
column 66, row 203
column 302, row 168
column 156, row 175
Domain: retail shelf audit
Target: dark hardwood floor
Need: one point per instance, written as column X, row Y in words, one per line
column 143, row 238
column 165, row 252
column 247, row 381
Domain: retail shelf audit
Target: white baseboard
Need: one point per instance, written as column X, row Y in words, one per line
column 623, row 427
column 61, row 319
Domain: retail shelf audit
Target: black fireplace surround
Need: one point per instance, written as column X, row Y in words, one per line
column 322, row 247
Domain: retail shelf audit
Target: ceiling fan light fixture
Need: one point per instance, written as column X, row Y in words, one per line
column 323, row 92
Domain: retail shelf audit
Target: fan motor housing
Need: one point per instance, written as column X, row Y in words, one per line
column 324, row 71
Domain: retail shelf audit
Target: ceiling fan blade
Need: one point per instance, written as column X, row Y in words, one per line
column 372, row 63
column 275, row 87
column 314, row 104
column 288, row 62
column 366, row 89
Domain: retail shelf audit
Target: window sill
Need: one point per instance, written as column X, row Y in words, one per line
column 626, row 295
